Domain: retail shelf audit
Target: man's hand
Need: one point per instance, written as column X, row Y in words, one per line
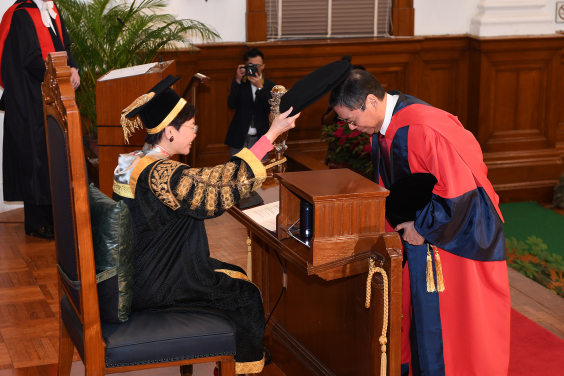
column 410, row 235
column 240, row 73
column 75, row 78
column 255, row 80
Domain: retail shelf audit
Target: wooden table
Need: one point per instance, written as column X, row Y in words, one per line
column 321, row 325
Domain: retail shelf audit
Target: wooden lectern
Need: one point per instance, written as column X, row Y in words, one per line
column 112, row 96
column 321, row 325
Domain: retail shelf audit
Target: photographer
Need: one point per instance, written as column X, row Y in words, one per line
column 249, row 96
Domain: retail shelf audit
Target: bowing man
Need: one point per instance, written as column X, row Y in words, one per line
column 456, row 238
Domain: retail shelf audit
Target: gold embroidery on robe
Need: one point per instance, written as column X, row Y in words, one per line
column 159, row 181
column 256, row 166
column 186, row 182
column 243, row 183
column 227, row 199
column 211, row 191
column 199, row 191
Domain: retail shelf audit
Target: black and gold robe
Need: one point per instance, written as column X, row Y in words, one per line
column 174, row 272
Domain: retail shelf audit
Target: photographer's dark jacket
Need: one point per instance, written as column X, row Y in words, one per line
column 241, row 100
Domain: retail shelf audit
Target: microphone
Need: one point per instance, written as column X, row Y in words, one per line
column 138, row 37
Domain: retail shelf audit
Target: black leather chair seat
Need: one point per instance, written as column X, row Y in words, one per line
column 158, row 337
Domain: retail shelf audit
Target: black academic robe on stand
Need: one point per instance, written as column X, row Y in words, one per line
column 173, row 270
column 25, row 169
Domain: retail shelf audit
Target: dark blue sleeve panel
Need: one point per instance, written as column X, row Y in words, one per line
column 467, row 226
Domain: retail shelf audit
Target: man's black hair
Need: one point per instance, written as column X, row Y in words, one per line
column 352, row 92
column 253, row 52
column 186, row 114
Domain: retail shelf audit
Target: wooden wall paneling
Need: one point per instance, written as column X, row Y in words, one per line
column 403, row 18
column 256, row 21
column 443, row 77
column 518, row 92
column 516, row 97
column 560, row 129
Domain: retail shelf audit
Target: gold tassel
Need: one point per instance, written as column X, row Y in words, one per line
column 384, row 358
column 430, row 277
column 439, row 268
column 129, row 125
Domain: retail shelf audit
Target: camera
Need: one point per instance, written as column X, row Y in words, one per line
column 251, row 69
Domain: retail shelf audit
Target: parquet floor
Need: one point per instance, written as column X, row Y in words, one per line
column 29, row 311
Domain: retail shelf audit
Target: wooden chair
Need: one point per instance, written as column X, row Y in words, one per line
column 145, row 340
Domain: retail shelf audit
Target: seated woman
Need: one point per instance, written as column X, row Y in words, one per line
column 169, row 202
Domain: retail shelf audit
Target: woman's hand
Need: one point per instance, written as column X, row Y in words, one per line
column 410, row 234
column 281, row 124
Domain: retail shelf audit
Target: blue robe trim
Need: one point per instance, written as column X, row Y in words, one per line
column 405, row 369
column 377, row 163
column 426, row 335
column 399, row 162
column 474, row 231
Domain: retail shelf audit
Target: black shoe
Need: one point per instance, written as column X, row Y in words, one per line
column 46, row 232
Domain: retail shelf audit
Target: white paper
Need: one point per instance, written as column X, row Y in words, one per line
column 265, row 215
column 128, row 72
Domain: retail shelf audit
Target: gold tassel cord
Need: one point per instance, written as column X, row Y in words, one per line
column 439, row 268
column 430, row 277
column 130, row 125
column 383, row 339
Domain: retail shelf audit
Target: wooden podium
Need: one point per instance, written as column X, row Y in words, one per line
column 112, row 96
column 321, row 325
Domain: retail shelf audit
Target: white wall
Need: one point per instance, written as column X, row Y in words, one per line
column 226, row 16
column 443, row 17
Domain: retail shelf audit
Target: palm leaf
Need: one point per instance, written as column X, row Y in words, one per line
column 101, row 43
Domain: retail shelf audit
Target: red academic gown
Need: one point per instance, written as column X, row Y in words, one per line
column 463, row 331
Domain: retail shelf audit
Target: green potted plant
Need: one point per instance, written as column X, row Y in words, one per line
column 102, row 43
column 347, row 148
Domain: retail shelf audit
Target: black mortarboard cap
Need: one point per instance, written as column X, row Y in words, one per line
column 314, row 86
column 156, row 109
column 407, row 196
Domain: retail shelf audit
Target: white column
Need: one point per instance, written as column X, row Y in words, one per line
column 511, row 17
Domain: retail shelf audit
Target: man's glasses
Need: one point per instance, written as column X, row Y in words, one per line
column 351, row 122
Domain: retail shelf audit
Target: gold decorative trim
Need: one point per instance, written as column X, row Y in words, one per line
column 123, row 190
column 199, row 191
column 255, row 164
column 137, row 170
column 186, row 182
column 170, row 117
column 159, row 181
column 129, row 125
column 211, row 191
column 243, row 181
column 249, row 367
column 233, row 274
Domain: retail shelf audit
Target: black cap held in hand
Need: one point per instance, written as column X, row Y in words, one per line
column 409, row 195
column 314, row 86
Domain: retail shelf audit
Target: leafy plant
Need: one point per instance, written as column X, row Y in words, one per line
column 348, row 147
column 101, row 43
column 543, row 267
